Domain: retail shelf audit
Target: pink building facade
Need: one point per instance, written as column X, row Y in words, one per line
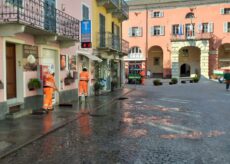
column 43, row 34
column 178, row 39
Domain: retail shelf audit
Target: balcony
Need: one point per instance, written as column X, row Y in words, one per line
column 110, row 5
column 196, row 36
column 124, row 47
column 39, row 19
column 109, row 42
column 112, row 43
column 122, row 13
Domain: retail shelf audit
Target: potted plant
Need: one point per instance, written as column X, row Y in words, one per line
column 33, row 84
column 173, row 81
column 69, row 79
column 1, row 85
column 157, row 82
column 196, row 79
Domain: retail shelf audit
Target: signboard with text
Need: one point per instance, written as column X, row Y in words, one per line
column 86, row 34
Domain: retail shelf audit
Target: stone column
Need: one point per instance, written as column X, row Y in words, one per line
column 175, row 63
column 204, row 63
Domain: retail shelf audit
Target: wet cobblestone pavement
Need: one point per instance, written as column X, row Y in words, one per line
column 167, row 125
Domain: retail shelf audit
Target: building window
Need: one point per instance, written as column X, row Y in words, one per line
column 157, row 14
column 189, row 30
column 85, row 12
column 157, row 30
column 156, row 61
column 190, row 15
column 226, row 27
column 225, row 11
column 175, row 29
column 135, row 31
column 135, row 53
column 205, row 28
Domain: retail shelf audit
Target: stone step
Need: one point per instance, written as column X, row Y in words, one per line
column 18, row 114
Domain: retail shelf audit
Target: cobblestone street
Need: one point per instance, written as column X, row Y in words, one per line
column 182, row 123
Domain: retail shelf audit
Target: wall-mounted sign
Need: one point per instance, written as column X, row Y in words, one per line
column 30, row 57
column 86, row 34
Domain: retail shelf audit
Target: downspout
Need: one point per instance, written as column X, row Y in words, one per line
column 146, row 41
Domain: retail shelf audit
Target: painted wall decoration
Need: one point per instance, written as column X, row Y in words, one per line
column 30, row 58
column 63, row 62
column 72, row 62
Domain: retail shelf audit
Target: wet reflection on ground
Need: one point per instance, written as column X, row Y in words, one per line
column 134, row 130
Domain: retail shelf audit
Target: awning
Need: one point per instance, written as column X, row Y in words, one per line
column 90, row 56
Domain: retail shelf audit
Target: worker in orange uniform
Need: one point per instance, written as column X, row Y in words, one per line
column 49, row 87
column 83, row 83
column 142, row 74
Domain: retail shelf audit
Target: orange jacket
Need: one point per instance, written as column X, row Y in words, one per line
column 84, row 76
column 142, row 73
column 49, row 81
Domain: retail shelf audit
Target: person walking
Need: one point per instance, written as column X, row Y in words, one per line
column 49, row 86
column 142, row 74
column 83, row 83
column 148, row 74
column 227, row 79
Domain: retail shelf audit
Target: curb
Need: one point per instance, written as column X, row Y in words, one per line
column 59, row 126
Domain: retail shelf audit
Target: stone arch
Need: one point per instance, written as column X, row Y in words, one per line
column 202, row 45
column 190, row 15
column 155, row 61
column 185, row 70
column 189, row 55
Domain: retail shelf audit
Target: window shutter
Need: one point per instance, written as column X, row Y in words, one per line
column 199, row 28
column 210, row 27
column 139, row 31
column 222, row 11
column 161, row 14
column 162, row 30
column 182, row 29
column 130, row 31
column 152, row 30
column 152, row 14
column 225, row 27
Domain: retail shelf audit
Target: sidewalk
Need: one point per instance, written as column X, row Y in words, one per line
column 15, row 134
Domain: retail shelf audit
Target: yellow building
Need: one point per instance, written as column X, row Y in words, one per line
column 107, row 43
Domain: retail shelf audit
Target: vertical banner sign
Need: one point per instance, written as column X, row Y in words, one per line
column 86, row 34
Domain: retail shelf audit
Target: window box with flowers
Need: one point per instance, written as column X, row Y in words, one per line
column 34, row 84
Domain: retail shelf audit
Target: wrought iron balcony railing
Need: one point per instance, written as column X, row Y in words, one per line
column 40, row 15
column 107, row 40
column 125, row 8
column 109, row 4
column 125, row 47
column 195, row 36
column 119, row 8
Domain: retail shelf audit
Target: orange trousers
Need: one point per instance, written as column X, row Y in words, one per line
column 48, row 95
column 83, row 88
column 142, row 81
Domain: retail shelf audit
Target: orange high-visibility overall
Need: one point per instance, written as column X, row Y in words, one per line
column 83, row 83
column 48, row 88
column 142, row 73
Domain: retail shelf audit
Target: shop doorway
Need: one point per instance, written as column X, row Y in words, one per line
column 49, row 58
column 185, row 70
column 11, row 71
